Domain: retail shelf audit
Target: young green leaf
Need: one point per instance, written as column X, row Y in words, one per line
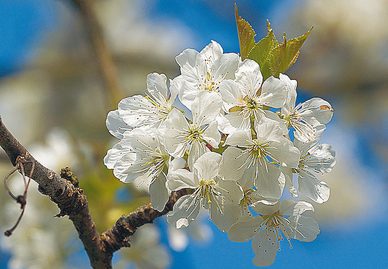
column 292, row 52
column 246, row 35
column 261, row 52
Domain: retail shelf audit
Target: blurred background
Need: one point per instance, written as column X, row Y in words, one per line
column 54, row 98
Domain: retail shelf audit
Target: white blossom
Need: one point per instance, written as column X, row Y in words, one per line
column 182, row 136
column 246, row 97
column 141, row 155
column 203, row 70
column 257, row 158
column 308, row 118
column 221, row 197
column 151, row 110
column 315, row 159
column 269, row 228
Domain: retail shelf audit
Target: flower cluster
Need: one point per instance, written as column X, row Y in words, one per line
column 232, row 148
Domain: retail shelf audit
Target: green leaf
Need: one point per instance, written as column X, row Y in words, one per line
column 263, row 49
column 292, row 52
column 246, row 35
column 274, row 60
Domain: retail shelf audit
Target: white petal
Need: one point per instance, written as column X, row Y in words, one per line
column 240, row 138
column 265, row 209
column 234, row 121
column 290, row 207
column 265, row 246
column 291, row 94
column 285, row 152
column 269, row 130
column 185, row 211
column 224, row 67
column 270, row 182
column 206, row 107
column 230, row 190
column 249, row 77
column 181, row 179
column 232, row 164
column 246, row 228
column 288, row 174
column 212, row 52
column 175, row 124
column 302, row 228
column 137, row 111
column 116, row 153
column 157, row 83
column 321, row 158
column 116, row 124
column 207, row 166
column 197, row 149
column 317, row 108
column 316, row 190
column 177, row 163
column 212, row 135
column 159, row 193
column 223, row 213
column 273, row 92
column 231, row 93
column 186, row 61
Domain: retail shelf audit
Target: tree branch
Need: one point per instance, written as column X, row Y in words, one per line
column 64, row 191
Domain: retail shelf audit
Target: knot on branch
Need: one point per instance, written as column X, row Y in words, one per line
column 69, row 176
column 72, row 200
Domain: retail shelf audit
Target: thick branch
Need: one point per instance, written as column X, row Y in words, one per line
column 70, row 199
column 64, row 191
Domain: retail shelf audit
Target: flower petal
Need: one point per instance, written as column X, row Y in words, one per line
column 185, row 211
column 158, row 193
column 302, row 228
column 265, row 246
column 208, row 165
column 273, row 92
column 249, row 77
column 246, row 228
column 181, row 179
column 206, row 107
column 309, row 185
column 223, row 213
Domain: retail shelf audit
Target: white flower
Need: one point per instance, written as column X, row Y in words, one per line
column 182, row 136
column 256, row 158
column 141, row 155
column 309, row 118
column 314, row 158
column 151, row 110
column 267, row 229
column 220, row 197
column 246, row 96
column 204, row 70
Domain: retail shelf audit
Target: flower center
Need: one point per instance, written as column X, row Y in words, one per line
column 207, row 188
column 194, row 133
column 208, row 84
